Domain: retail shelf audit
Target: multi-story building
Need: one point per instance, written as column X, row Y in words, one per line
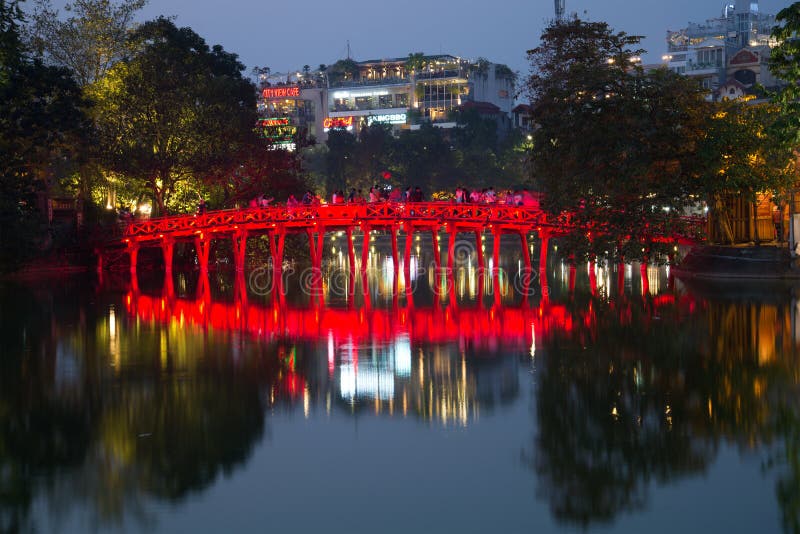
column 402, row 92
column 727, row 54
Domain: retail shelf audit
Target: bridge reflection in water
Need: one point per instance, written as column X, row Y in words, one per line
column 441, row 349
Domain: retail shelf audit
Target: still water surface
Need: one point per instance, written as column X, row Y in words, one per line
column 213, row 404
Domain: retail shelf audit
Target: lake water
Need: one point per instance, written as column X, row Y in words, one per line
column 611, row 403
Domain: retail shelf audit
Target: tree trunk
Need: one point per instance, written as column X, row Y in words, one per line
column 724, row 222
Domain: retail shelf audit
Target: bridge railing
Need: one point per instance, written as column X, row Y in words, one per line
column 376, row 214
column 336, row 214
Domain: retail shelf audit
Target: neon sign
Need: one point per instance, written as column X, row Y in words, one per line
column 388, row 118
column 281, row 121
column 292, row 91
column 337, row 122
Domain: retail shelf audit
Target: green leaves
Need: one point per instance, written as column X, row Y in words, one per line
column 176, row 110
column 784, row 63
column 614, row 144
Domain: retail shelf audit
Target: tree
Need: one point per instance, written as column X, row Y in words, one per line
column 340, row 159
column 416, row 61
column 175, row 111
column 41, row 121
column 738, row 156
column 343, row 70
column 89, row 41
column 784, row 63
column 615, row 145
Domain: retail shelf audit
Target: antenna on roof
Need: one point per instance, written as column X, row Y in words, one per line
column 348, row 49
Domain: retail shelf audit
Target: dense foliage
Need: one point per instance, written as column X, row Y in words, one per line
column 41, row 123
column 785, row 65
column 473, row 155
column 173, row 112
column 629, row 153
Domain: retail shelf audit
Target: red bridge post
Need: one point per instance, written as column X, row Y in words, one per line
column 526, row 254
column 479, row 250
column 202, row 246
column 320, row 246
column 409, row 227
column 239, row 241
column 365, row 250
column 437, row 259
column 351, row 252
column 133, row 252
column 167, row 250
column 395, row 259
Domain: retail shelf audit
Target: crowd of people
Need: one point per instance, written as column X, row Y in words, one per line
column 519, row 197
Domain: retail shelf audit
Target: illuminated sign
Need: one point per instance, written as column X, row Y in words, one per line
column 337, row 122
column 280, row 121
column 388, row 118
column 356, row 94
column 271, row 93
column 288, row 146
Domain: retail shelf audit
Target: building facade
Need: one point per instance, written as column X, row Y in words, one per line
column 728, row 54
column 400, row 92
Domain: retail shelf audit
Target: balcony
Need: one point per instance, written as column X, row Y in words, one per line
column 369, row 83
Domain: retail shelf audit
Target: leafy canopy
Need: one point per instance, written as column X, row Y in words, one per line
column 614, row 145
column 175, row 111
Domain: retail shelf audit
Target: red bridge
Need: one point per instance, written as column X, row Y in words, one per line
column 276, row 222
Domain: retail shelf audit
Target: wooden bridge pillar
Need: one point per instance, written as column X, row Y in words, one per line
column 395, row 259
column 496, row 235
column 202, row 246
column 593, row 277
column 168, row 289
column 450, row 273
column 133, row 253
column 365, row 250
column 239, row 241
column 451, row 250
column 544, row 247
column 526, row 254
column 312, row 247
column 320, row 246
column 240, row 292
column 351, row 252
column 167, row 250
column 479, row 250
column 407, row 260
column 437, row 259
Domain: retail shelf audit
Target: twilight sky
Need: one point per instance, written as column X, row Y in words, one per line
column 285, row 35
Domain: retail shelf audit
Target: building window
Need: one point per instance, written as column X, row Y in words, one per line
column 385, row 101
column 363, row 102
column 401, row 100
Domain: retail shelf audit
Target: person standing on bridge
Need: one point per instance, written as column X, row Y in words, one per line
column 374, row 196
